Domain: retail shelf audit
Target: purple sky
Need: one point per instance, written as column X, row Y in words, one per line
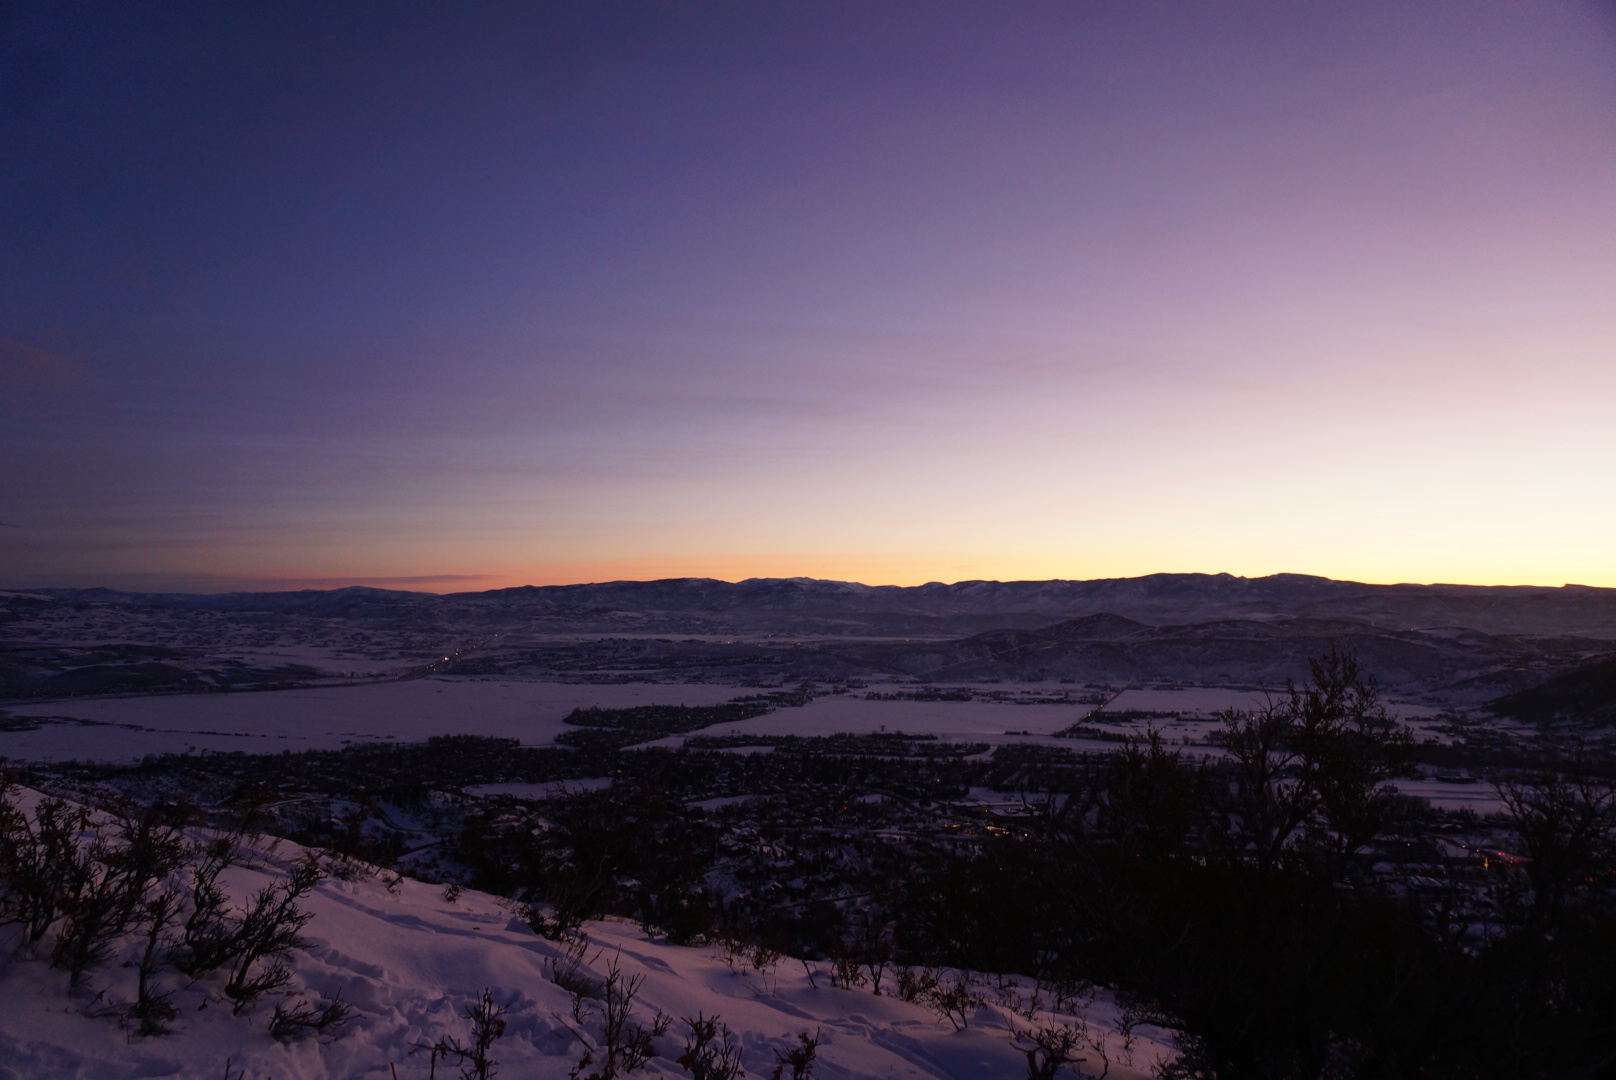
column 473, row 295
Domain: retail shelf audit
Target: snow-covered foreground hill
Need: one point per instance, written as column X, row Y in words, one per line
column 410, row 962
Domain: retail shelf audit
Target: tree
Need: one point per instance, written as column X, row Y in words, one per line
column 1314, row 762
column 1564, row 817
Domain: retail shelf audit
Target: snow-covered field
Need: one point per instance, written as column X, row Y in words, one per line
column 1480, row 798
column 126, row 729
column 1195, row 701
column 963, row 720
column 553, row 790
column 409, row 961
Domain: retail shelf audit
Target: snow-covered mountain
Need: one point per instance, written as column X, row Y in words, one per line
column 1464, row 643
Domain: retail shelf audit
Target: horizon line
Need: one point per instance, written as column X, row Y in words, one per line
column 226, row 586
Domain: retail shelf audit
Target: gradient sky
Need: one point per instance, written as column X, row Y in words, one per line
column 464, row 295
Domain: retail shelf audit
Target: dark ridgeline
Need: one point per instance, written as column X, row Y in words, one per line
column 1585, row 694
column 819, row 606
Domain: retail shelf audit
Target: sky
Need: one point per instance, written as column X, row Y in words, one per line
column 454, row 296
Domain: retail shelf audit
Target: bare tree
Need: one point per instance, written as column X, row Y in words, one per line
column 1317, row 759
column 1564, row 817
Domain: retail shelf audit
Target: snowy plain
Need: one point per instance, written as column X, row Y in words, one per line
column 127, row 728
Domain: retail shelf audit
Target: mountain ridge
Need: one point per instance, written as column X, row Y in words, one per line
column 825, row 607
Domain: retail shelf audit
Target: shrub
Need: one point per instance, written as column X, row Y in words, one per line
column 627, row 1044
column 208, row 938
column 44, row 866
column 710, row 1050
column 268, row 928
column 571, row 973
column 487, row 1026
column 1049, row 1049
column 152, row 1010
column 799, row 1059
column 914, row 982
column 954, row 1000
column 305, row 1019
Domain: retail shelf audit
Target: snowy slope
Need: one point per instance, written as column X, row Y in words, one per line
column 409, row 961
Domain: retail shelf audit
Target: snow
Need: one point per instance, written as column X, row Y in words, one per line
column 1481, row 798
column 967, row 721
column 128, row 728
column 410, row 960
column 1208, row 701
column 1197, row 700
column 552, row 790
column 724, row 801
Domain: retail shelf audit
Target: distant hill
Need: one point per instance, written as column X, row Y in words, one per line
column 1586, row 694
column 1457, row 644
column 812, row 606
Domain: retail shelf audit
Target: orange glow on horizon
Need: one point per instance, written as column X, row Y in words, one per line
column 865, row 570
